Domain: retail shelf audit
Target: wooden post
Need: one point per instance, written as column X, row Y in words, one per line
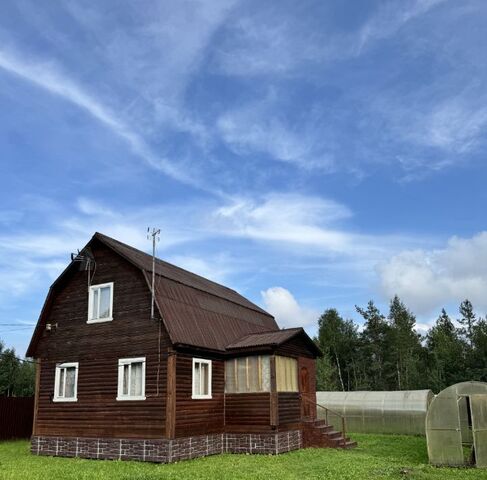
column 274, row 406
column 36, row 394
column 171, row 395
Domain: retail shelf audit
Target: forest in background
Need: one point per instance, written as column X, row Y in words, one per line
column 386, row 354
column 17, row 376
column 389, row 354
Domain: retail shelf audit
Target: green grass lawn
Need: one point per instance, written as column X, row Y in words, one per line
column 376, row 457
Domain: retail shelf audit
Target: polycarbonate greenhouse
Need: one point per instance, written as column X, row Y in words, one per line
column 378, row 412
column 456, row 425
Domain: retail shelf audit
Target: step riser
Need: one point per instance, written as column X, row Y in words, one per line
column 319, row 434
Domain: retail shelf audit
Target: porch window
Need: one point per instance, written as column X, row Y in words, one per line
column 131, row 379
column 201, row 378
column 247, row 374
column 100, row 303
column 286, row 374
column 66, row 382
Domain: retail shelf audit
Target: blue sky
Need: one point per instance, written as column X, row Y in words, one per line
column 308, row 154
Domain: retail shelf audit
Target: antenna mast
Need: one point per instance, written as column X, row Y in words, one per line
column 155, row 235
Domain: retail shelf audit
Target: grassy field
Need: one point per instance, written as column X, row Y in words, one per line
column 376, row 457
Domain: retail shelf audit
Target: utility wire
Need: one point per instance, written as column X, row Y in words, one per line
column 17, row 358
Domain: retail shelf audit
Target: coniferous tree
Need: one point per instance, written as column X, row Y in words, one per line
column 467, row 320
column 446, row 353
column 373, row 345
column 477, row 369
column 404, row 348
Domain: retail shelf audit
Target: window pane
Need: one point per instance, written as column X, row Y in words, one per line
column 286, row 374
column 104, row 302
column 95, row 304
column 196, row 379
column 70, row 381
column 241, row 375
column 204, row 378
column 136, row 379
column 125, row 386
column 254, row 374
column 230, row 376
column 60, row 392
column 265, row 365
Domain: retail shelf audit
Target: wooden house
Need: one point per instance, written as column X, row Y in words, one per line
column 208, row 372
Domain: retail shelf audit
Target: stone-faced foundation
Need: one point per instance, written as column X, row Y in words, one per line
column 167, row 450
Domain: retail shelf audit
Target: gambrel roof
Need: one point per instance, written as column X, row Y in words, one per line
column 196, row 312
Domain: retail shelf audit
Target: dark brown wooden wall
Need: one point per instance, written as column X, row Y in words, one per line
column 97, row 347
column 247, row 410
column 198, row 416
column 296, row 347
column 289, row 406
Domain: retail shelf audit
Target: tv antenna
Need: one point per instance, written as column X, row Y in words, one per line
column 155, row 236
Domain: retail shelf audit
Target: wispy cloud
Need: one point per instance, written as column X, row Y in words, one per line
column 390, row 17
column 47, row 76
column 257, row 128
column 307, row 223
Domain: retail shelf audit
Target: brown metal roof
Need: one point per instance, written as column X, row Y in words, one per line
column 272, row 340
column 264, row 339
column 196, row 312
column 167, row 270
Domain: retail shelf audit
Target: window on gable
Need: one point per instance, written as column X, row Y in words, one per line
column 131, row 379
column 100, row 303
column 201, row 378
column 66, row 382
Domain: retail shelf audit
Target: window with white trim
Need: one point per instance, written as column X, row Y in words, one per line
column 131, row 379
column 201, row 378
column 66, row 382
column 100, row 303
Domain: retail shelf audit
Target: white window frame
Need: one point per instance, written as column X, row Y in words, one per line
column 194, row 395
column 127, row 361
column 90, row 303
column 57, row 377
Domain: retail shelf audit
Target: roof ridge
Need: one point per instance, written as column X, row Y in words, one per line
column 160, row 260
column 249, row 304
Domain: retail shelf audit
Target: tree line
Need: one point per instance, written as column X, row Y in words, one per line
column 389, row 354
column 17, row 377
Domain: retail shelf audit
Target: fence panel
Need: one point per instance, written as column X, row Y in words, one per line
column 16, row 416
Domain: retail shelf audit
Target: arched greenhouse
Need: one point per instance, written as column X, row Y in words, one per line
column 401, row 412
column 456, row 425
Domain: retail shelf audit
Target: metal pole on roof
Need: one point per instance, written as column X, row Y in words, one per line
column 155, row 234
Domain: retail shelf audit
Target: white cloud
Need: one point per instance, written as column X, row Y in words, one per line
column 216, row 268
column 257, row 127
column 304, row 223
column 266, row 42
column 428, row 279
column 455, row 125
column 390, row 17
column 287, row 218
column 47, row 76
column 281, row 303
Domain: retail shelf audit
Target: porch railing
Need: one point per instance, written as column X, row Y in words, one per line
column 329, row 411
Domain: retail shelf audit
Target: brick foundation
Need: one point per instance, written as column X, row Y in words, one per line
column 166, row 450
